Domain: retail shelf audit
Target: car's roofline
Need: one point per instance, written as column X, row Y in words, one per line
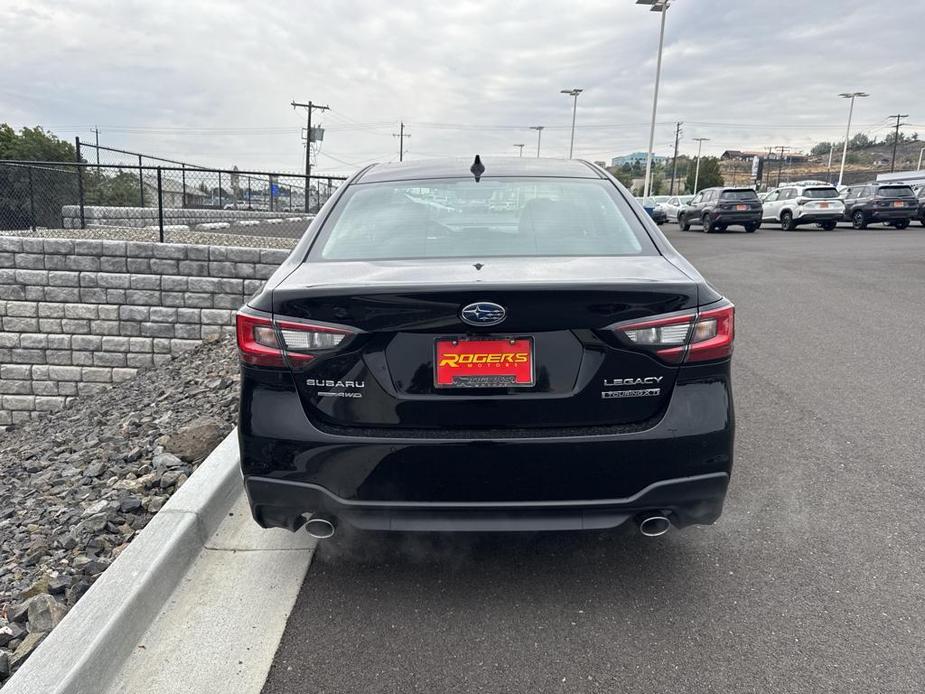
column 495, row 167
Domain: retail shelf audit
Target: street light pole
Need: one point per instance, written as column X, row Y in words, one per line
column 574, row 94
column 700, row 141
column 844, row 153
column 521, row 148
column 656, row 6
column 539, row 136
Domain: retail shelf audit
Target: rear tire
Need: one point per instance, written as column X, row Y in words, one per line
column 685, row 225
column 750, row 228
column 709, row 225
column 786, row 222
column 901, row 224
column 858, row 221
column 828, row 226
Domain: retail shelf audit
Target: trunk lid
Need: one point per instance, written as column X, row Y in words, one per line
column 384, row 377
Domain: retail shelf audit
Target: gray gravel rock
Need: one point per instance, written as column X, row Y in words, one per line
column 24, row 649
column 45, row 613
column 78, row 484
column 195, row 440
column 11, row 632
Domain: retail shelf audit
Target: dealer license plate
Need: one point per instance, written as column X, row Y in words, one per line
column 483, row 363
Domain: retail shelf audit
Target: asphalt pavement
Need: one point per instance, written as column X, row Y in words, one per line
column 812, row 581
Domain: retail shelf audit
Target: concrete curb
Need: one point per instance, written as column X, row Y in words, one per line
column 86, row 650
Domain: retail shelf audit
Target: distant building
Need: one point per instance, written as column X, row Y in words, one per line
column 748, row 155
column 636, row 157
column 744, row 155
column 171, row 191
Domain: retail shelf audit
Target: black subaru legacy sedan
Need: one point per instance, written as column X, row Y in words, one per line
column 511, row 345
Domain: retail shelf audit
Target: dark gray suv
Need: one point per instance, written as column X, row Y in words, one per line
column 894, row 204
column 715, row 209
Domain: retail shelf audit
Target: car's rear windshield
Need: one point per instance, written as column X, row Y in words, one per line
column 450, row 218
column 896, row 192
column 821, row 193
column 738, row 195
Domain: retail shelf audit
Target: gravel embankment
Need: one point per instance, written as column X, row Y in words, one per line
column 252, row 239
column 77, row 485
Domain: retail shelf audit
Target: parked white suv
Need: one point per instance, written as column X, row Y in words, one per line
column 806, row 202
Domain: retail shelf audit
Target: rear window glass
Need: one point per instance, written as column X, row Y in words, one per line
column 896, row 192
column 739, row 195
column 821, row 193
column 449, row 218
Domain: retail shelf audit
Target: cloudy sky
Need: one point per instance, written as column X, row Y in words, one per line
column 210, row 81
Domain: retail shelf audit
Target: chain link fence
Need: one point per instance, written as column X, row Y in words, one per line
column 81, row 195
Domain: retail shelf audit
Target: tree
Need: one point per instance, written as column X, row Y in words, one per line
column 624, row 174
column 42, row 188
column 119, row 190
column 34, row 144
column 658, row 185
column 710, row 174
column 860, row 141
column 821, row 148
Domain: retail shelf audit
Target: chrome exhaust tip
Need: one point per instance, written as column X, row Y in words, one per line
column 320, row 527
column 654, row 525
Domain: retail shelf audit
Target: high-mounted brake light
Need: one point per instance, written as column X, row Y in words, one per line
column 684, row 337
column 263, row 342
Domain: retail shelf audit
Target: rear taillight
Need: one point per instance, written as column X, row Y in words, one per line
column 258, row 343
column 263, row 342
column 684, row 337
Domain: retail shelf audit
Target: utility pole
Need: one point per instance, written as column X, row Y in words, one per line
column 829, row 168
column 521, row 148
column 780, row 161
column 897, row 116
column 674, row 164
column 767, row 172
column 699, row 141
column 401, row 141
column 96, row 131
column 309, row 107
column 539, row 136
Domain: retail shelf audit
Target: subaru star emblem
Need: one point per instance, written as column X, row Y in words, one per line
column 483, row 313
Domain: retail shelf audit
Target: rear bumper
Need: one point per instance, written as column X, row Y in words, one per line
column 737, row 217
column 820, row 216
column 888, row 215
column 686, row 501
column 678, row 465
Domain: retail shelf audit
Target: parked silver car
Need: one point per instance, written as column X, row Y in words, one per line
column 674, row 204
